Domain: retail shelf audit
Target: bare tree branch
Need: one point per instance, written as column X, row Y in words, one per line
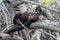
column 46, row 24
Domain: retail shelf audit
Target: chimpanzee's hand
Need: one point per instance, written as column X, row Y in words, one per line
column 33, row 18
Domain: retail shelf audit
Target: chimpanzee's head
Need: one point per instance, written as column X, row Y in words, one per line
column 38, row 10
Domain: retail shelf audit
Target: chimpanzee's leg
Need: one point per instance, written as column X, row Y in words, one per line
column 17, row 27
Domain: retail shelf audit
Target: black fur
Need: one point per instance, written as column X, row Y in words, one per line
column 8, row 1
column 38, row 10
column 24, row 18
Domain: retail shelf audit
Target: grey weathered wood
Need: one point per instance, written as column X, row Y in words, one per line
column 11, row 37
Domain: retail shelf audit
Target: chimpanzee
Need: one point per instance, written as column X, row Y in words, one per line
column 26, row 18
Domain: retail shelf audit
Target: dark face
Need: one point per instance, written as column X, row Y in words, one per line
column 38, row 10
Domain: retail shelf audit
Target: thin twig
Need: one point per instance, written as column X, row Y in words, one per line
column 22, row 24
column 48, row 34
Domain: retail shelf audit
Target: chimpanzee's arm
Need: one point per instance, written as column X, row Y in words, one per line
column 17, row 28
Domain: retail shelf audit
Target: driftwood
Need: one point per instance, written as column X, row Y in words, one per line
column 46, row 24
column 9, row 37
